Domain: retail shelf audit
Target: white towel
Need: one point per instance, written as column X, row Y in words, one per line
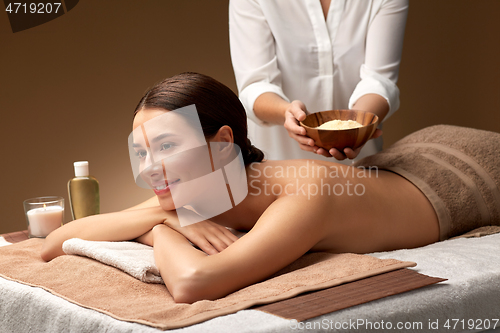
column 3, row 242
column 133, row 258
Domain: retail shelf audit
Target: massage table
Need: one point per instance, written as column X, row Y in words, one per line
column 472, row 292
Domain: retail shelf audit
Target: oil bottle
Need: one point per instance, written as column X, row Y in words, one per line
column 83, row 191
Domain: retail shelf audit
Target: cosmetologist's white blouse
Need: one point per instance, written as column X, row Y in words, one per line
column 286, row 47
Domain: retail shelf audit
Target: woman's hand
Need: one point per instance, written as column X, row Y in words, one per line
column 372, row 103
column 348, row 152
column 296, row 112
column 210, row 237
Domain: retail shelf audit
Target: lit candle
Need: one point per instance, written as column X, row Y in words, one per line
column 42, row 221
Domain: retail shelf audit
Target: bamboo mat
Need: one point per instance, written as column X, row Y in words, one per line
column 340, row 297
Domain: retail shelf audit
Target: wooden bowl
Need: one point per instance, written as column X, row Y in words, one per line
column 340, row 139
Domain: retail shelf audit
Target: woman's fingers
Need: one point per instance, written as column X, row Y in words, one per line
column 213, row 243
column 209, row 236
column 205, row 245
column 324, row 152
column 218, row 242
column 230, row 235
column 292, row 123
column 219, row 237
column 298, row 109
column 295, row 113
column 378, row 132
column 337, row 154
column 352, row 154
column 302, row 140
column 224, row 235
column 298, row 133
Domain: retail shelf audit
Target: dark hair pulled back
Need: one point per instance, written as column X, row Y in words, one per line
column 216, row 104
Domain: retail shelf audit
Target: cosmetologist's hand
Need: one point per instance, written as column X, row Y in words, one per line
column 297, row 112
column 348, row 152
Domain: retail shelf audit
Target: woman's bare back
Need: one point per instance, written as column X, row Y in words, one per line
column 355, row 210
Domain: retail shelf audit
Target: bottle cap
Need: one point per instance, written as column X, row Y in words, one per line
column 81, row 169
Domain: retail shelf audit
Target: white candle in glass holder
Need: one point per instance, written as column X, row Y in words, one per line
column 43, row 221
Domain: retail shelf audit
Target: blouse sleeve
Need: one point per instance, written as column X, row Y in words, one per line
column 384, row 45
column 253, row 54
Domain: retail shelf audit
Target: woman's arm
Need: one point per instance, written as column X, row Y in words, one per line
column 373, row 103
column 271, row 108
column 377, row 91
column 136, row 224
column 284, row 232
column 253, row 55
column 151, row 202
column 274, row 109
column 379, row 73
column 119, row 226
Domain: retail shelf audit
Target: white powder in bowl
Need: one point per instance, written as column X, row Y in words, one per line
column 339, row 125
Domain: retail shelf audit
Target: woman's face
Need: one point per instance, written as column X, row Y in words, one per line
column 171, row 152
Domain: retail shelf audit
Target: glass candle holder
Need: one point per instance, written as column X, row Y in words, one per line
column 43, row 215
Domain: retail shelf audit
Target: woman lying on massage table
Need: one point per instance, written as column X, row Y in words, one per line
column 443, row 181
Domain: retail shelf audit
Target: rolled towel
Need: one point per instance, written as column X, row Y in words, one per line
column 457, row 168
column 133, row 258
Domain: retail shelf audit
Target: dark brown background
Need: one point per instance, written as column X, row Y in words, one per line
column 69, row 87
